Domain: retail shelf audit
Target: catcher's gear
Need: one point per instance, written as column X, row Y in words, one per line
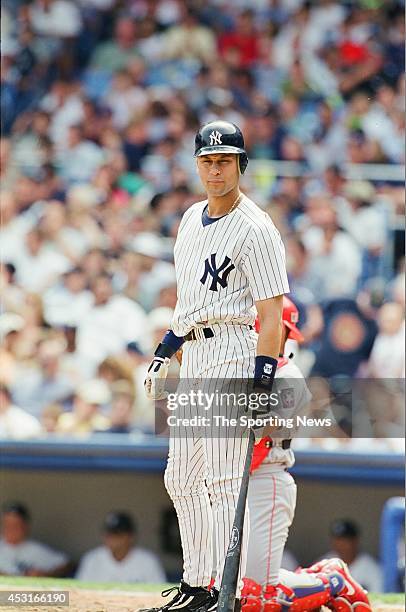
column 352, row 597
column 299, row 597
column 154, row 383
column 290, row 317
column 221, row 137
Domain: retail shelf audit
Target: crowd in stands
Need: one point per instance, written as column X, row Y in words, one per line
column 100, row 103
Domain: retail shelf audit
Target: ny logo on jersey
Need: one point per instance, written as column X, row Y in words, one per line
column 215, row 138
column 210, row 267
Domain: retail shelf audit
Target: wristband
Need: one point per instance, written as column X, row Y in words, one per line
column 265, row 370
column 169, row 345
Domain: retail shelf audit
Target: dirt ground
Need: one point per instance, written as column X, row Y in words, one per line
column 117, row 601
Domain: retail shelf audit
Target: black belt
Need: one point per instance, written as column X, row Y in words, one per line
column 202, row 333
column 194, row 335
column 285, row 444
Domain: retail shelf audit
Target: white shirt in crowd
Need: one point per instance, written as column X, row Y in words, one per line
column 16, row 559
column 365, row 569
column 107, row 329
column 340, row 268
column 60, row 18
column 12, row 235
column 387, row 358
column 17, row 424
column 62, row 307
column 366, row 224
column 37, row 273
column 138, row 566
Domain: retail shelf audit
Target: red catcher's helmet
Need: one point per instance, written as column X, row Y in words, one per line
column 290, row 316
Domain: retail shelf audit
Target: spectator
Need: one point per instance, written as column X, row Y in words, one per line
column 125, row 99
column 50, row 417
column 344, row 352
column 80, row 158
column 36, row 387
column 345, row 544
column 16, row 423
column 39, row 263
column 155, row 274
column 239, row 47
column 189, row 39
column 387, row 358
column 22, row 556
column 335, row 257
column 159, row 321
column 119, row 559
column 122, row 408
column 360, row 216
column 68, row 302
column 14, row 227
column 138, row 362
column 113, row 369
column 87, row 415
column 101, row 332
column 10, row 327
column 115, row 54
column 55, row 18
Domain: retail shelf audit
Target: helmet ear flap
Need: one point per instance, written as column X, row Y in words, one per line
column 243, row 162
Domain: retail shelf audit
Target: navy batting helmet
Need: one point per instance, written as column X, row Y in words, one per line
column 221, row 137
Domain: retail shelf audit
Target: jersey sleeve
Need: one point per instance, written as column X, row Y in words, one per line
column 46, row 558
column 265, row 263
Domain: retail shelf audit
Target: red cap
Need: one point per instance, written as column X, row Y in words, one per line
column 290, row 316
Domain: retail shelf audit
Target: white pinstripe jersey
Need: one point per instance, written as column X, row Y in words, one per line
column 224, row 267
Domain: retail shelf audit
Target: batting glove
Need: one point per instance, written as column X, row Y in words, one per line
column 154, row 383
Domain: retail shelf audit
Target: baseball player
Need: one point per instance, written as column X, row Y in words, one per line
column 230, row 266
column 272, row 501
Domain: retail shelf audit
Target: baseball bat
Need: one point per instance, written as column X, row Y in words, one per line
column 228, row 587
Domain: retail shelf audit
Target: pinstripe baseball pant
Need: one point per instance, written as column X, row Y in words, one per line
column 204, row 469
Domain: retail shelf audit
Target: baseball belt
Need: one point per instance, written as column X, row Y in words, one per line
column 202, row 333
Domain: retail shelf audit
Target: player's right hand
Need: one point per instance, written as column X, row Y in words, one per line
column 154, row 384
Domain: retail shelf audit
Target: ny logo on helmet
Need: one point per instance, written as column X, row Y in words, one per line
column 215, row 138
column 210, row 267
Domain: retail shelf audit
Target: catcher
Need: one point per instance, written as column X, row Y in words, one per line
column 272, row 501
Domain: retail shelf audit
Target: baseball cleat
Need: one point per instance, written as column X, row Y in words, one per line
column 187, row 599
column 352, row 598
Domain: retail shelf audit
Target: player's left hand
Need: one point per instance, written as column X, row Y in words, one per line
column 154, row 384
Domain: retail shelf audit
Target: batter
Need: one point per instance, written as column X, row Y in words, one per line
column 230, row 265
